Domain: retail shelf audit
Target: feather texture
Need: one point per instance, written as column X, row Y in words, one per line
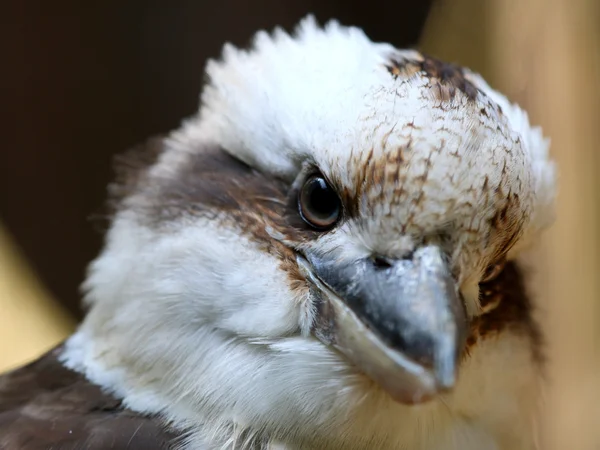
column 44, row 405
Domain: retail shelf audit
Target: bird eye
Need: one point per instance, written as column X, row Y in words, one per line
column 492, row 272
column 318, row 203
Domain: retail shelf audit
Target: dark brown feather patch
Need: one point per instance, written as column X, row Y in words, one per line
column 208, row 182
column 506, row 305
column 446, row 79
column 46, row 406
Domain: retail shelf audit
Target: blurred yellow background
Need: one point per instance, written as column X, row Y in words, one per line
column 544, row 54
column 30, row 320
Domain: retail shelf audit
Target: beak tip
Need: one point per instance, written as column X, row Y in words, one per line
column 445, row 366
column 446, row 382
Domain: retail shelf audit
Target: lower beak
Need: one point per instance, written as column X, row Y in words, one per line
column 403, row 324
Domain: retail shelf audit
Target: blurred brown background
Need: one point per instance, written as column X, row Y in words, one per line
column 83, row 81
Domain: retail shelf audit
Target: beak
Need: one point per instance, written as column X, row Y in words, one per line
column 402, row 323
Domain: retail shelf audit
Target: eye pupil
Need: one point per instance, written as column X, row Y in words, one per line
column 318, row 203
column 322, row 200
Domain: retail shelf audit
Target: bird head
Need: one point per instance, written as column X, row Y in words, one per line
column 316, row 234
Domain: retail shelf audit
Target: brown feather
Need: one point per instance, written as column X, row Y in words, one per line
column 506, row 304
column 446, row 79
column 44, row 405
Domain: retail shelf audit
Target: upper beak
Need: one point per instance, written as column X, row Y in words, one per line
column 402, row 324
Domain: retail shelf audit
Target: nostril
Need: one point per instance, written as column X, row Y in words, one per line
column 381, row 263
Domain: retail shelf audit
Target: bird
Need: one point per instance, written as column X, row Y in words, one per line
column 327, row 255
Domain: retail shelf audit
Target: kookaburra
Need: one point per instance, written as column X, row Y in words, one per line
column 323, row 258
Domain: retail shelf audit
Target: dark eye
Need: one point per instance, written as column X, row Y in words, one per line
column 493, row 271
column 318, row 203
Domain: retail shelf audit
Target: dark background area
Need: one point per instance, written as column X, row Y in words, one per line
column 81, row 81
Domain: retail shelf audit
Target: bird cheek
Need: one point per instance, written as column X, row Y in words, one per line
column 269, row 317
column 262, row 304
